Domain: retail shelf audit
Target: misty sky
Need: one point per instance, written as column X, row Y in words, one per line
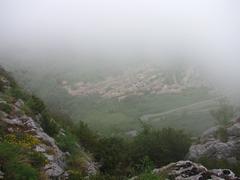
column 202, row 31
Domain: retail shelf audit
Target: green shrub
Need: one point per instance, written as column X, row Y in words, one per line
column 37, row 159
column 77, row 163
column 87, row 138
column 14, row 163
column 20, row 171
column 8, row 151
column 49, row 125
column 67, row 142
column 112, row 153
column 146, row 165
column 36, row 105
column 161, row 146
column 6, row 108
column 18, row 93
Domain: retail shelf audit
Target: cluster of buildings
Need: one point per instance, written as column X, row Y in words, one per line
column 137, row 81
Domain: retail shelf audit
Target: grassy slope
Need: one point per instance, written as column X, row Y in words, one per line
column 110, row 116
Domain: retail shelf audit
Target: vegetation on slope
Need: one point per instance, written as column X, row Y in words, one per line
column 118, row 158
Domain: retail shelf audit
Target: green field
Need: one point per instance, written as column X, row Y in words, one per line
column 109, row 116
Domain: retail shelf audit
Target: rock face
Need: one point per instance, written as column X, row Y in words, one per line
column 191, row 171
column 20, row 125
column 15, row 120
column 55, row 157
column 213, row 147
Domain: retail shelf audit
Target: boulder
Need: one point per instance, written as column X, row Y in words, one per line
column 188, row 170
column 53, row 170
column 234, row 130
column 19, row 103
column 210, row 146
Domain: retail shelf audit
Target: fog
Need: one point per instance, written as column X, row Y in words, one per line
column 203, row 32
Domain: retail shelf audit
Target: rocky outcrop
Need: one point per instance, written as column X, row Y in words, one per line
column 16, row 122
column 192, row 171
column 20, row 126
column 211, row 146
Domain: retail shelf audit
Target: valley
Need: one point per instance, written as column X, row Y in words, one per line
column 116, row 103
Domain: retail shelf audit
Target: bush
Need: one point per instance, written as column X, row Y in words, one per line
column 37, row 159
column 112, row 153
column 17, row 93
column 161, row 146
column 67, row 142
column 13, row 161
column 19, row 171
column 49, row 125
column 8, row 151
column 87, row 138
column 36, row 105
column 6, row 108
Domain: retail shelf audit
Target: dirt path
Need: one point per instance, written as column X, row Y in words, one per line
column 147, row 117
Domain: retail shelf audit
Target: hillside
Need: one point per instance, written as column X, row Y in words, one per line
column 38, row 144
column 27, row 147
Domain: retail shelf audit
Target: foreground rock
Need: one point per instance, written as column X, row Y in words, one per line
column 55, row 157
column 191, row 171
column 211, row 146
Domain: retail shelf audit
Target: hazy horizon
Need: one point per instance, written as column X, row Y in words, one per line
column 93, row 32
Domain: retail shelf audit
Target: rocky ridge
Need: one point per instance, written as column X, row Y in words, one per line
column 22, row 128
column 16, row 121
column 211, row 146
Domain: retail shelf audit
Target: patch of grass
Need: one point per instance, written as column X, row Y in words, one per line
column 108, row 116
column 6, row 108
column 14, row 162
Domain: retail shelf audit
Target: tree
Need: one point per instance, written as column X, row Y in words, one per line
column 161, row 146
column 87, row 138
